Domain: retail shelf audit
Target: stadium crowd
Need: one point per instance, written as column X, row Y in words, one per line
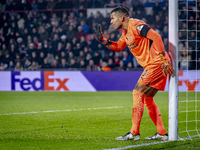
column 50, row 34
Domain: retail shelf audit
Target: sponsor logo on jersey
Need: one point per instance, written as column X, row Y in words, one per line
column 132, row 45
column 140, row 27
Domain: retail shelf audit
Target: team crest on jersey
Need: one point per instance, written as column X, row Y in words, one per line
column 140, row 27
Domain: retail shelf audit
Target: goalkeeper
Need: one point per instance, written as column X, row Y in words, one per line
column 147, row 46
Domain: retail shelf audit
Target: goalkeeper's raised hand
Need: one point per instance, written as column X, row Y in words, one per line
column 166, row 67
column 98, row 32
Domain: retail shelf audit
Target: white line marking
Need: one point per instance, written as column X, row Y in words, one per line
column 35, row 112
column 147, row 144
column 134, row 146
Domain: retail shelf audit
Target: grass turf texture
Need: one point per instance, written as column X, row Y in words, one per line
column 79, row 129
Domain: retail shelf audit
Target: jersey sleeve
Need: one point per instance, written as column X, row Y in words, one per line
column 120, row 45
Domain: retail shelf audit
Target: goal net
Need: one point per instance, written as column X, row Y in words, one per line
column 189, row 68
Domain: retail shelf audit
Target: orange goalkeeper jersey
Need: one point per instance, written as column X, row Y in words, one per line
column 145, row 50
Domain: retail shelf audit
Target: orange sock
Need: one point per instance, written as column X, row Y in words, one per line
column 137, row 112
column 155, row 114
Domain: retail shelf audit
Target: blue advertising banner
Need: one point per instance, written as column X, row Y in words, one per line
column 114, row 80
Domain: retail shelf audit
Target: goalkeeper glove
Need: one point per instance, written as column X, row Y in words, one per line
column 166, row 67
column 98, row 32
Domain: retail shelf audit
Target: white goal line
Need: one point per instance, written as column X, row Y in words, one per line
column 147, row 144
column 35, row 112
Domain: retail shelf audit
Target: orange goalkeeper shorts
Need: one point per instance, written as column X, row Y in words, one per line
column 152, row 76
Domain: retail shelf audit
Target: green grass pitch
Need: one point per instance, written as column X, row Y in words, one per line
column 82, row 120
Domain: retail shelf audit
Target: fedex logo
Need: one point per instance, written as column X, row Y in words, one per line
column 26, row 82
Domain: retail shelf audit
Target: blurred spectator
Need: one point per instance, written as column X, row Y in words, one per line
column 70, row 56
column 3, row 20
column 34, row 57
column 26, row 5
column 79, row 33
column 116, row 59
column 126, row 58
column 50, row 58
column 90, row 20
column 6, row 29
column 81, row 18
column 55, row 64
column 55, row 41
column 82, row 64
column 104, row 25
column 70, row 33
column 67, row 4
column 111, row 64
column 45, row 46
column 4, row 50
column 59, row 4
column 2, row 66
column 80, row 57
column 91, row 66
column 20, row 21
column 50, row 5
column 9, row 6
column 68, row 48
column 34, row 5
column 88, row 57
column 59, row 49
column 85, row 27
column 183, row 58
column 63, row 55
column 83, row 43
column 17, row 58
column 166, row 44
column 42, row 4
column 44, row 20
column 11, row 66
column 45, row 64
column 34, row 66
column 12, row 51
column 77, row 49
column 121, row 66
column 1, row 57
column 65, row 24
column 96, row 58
column 165, row 32
column 27, row 64
column 93, row 42
column 43, row 34
column 157, row 8
column 129, row 66
column 34, row 32
column 192, row 40
column 139, row 14
column 18, row 67
column 41, row 59
column 99, row 17
column 7, row 59
column 64, row 63
column 63, row 40
column 158, row 23
column 2, row 7
column 73, row 64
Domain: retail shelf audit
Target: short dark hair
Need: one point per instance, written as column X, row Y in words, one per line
column 120, row 9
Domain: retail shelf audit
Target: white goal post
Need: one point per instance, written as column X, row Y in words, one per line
column 173, row 83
